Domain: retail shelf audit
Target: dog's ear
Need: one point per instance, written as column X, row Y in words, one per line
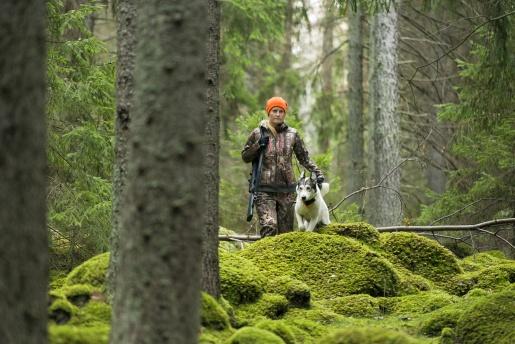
column 302, row 175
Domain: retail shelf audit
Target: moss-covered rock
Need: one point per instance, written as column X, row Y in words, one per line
column 317, row 312
column 92, row 314
column 411, row 283
column 240, row 280
column 230, row 246
column 252, row 335
column 435, row 322
column 421, row 255
column 330, row 265
column 492, row 278
column 279, row 327
column 483, row 260
column 61, row 310
column 358, row 306
column 490, row 320
column 272, row 306
column 447, row 336
column 361, row 231
column 213, row 315
column 296, row 292
column 367, row 335
column 306, row 331
column 92, row 272
column 66, row 334
column 421, row 303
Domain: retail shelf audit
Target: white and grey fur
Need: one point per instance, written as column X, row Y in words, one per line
column 310, row 207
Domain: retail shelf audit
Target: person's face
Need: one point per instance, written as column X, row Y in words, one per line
column 276, row 116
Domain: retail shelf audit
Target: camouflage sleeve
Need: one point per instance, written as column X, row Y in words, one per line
column 303, row 156
column 251, row 149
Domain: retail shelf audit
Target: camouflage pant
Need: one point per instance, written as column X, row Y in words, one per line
column 275, row 212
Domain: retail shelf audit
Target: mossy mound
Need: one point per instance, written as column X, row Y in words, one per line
column 240, row 280
column 447, row 336
column 411, row 283
column 483, row 260
column 230, row 246
column 305, row 331
column 252, row 335
column 318, row 312
column 361, row 231
column 213, row 315
column 421, row 255
column 92, row 272
column 65, row 334
column 358, row 306
column 280, row 328
column 421, row 303
column 433, row 324
column 492, row 278
column 272, row 306
column 296, row 292
column 490, row 320
column 367, row 335
column 330, row 265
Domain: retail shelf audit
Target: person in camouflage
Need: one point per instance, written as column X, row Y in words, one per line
column 275, row 197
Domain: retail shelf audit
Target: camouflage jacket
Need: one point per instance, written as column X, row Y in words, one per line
column 277, row 170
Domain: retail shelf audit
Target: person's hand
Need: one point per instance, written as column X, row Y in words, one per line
column 320, row 180
column 263, row 141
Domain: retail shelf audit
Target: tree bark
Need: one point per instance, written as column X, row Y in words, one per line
column 126, row 33
column 23, row 243
column 158, row 282
column 210, row 260
column 355, row 177
column 386, row 134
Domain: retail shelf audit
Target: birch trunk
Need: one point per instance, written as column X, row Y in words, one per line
column 386, row 131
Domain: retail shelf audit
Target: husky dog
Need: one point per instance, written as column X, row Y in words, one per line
column 310, row 207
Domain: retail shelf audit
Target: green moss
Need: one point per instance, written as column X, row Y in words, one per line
column 92, row 314
column 240, row 280
column 435, row 322
column 359, row 306
column 271, row 306
column 90, row 272
column 57, row 279
column 230, row 246
column 492, row 278
column 65, row 334
column 330, row 265
column 296, row 292
column 361, row 231
column 421, row 303
column 317, row 312
column 62, row 306
column 447, row 336
column 280, row 328
column 477, row 292
column 252, row 335
column 367, row 335
column 483, row 260
column 209, row 336
column 306, row 331
column 213, row 314
column 490, row 320
column 410, row 283
column 421, row 255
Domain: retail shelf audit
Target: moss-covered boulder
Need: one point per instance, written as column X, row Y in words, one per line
column 330, row 265
column 433, row 324
column 240, row 280
column 66, row 334
column 490, row 320
column 253, row 335
column 367, row 335
column 411, row 283
column 91, row 272
column 279, row 327
column 272, row 306
column 447, row 336
column 296, row 292
column 358, row 306
column 493, row 278
column 361, row 231
column 420, row 255
column 483, row 260
column 213, row 315
column 424, row 302
column 306, row 331
column 318, row 312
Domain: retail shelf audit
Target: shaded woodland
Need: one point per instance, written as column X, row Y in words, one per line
column 124, row 194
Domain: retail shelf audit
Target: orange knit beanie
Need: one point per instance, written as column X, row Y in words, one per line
column 276, row 102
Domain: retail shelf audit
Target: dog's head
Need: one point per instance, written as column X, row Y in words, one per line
column 306, row 188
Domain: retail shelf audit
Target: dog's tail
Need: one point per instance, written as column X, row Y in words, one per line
column 324, row 189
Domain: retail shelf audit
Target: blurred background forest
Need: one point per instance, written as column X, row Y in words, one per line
column 455, row 61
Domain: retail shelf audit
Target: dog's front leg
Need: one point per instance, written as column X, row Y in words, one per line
column 300, row 222
column 312, row 224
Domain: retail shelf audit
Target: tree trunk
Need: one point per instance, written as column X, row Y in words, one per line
column 384, row 89
column 355, row 177
column 326, row 77
column 210, row 261
column 283, row 88
column 23, row 245
column 126, row 33
column 158, row 282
